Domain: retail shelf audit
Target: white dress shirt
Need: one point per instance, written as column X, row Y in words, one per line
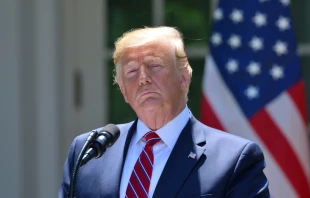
column 161, row 150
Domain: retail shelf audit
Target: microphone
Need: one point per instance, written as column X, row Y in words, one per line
column 106, row 137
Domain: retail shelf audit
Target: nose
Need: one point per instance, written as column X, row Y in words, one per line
column 144, row 77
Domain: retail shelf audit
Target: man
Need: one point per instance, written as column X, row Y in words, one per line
column 166, row 152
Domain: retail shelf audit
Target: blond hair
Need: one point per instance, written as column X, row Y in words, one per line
column 141, row 36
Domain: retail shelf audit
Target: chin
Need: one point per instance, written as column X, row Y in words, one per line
column 151, row 104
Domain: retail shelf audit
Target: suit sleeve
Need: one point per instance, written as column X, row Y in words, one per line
column 248, row 179
column 67, row 170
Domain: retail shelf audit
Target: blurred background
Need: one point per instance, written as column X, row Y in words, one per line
column 56, row 75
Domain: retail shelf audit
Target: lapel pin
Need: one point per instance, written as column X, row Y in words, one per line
column 192, row 155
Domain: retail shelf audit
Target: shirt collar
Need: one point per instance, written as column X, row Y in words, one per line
column 169, row 133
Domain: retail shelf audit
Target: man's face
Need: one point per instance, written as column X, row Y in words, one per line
column 150, row 79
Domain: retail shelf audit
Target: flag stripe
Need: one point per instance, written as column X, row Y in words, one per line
column 279, row 184
column 207, row 116
column 286, row 116
column 281, row 151
column 233, row 120
column 297, row 94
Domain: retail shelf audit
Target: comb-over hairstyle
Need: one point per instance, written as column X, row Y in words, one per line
column 141, row 36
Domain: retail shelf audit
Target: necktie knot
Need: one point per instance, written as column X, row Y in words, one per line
column 151, row 138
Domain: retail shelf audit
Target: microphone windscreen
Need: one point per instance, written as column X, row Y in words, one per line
column 113, row 130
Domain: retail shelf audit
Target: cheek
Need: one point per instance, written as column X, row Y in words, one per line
column 130, row 91
column 131, row 79
column 171, row 85
column 123, row 91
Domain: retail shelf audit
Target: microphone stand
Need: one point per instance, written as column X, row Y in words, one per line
column 92, row 136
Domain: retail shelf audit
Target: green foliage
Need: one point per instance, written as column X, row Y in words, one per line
column 194, row 95
column 191, row 18
column 127, row 15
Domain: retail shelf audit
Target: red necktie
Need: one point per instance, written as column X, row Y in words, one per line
column 140, row 179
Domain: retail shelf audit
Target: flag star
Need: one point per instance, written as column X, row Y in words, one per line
column 283, row 23
column 285, row 2
column 251, row 92
column 234, row 41
column 232, row 66
column 260, row 19
column 253, row 68
column 218, row 14
column 236, row 16
column 280, row 48
column 256, row 43
column 216, row 39
column 276, row 72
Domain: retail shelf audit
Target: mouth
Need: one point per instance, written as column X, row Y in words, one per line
column 147, row 93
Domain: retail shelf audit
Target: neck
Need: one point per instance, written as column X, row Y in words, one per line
column 158, row 117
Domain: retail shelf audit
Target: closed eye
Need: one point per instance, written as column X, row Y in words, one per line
column 132, row 71
column 155, row 66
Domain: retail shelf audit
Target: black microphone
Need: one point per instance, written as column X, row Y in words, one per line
column 106, row 137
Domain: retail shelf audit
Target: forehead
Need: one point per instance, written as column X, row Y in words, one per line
column 149, row 51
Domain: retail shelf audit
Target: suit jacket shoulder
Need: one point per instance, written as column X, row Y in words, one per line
column 99, row 177
column 225, row 166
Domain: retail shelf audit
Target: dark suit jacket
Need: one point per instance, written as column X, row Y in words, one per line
column 225, row 166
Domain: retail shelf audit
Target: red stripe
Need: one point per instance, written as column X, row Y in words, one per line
column 281, row 150
column 297, row 93
column 207, row 115
column 129, row 192
column 146, row 164
column 142, row 176
column 138, row 189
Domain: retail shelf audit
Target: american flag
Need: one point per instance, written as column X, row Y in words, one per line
column 252, row 87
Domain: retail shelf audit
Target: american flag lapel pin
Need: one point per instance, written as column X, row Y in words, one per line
column 192, row 155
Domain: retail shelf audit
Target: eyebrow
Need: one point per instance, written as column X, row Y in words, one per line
column 147, row 59
column 130, row 64
column 153, row 58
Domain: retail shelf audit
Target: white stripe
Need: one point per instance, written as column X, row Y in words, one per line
column 283, row 111
column 139, row 181
column 133, row 189
column 233, row 120
column 144, row 169
column 148, row 158
column 279, row 185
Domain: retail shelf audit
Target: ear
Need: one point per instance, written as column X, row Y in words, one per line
column 123, row 90
column 185, row 79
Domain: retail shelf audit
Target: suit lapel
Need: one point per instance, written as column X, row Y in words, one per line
column 179, row 164
column 112, row 163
